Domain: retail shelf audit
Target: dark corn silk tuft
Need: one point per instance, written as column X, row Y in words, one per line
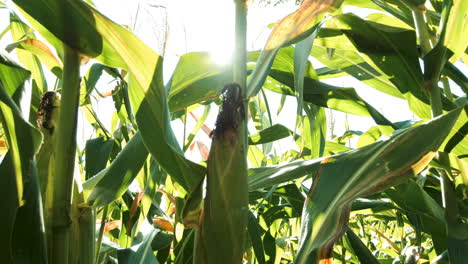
column 228, row 121
column 47, row 110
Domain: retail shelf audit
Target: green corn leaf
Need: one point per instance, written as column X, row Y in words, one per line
column 97, row 154
column 385, row 19
column 315, row 130
column 12, row 77
column 376, row 167
column 370, row 136
column 39, row 86
column 141, row 253
column 255, row 237
column 396, row 9
column 270, row 134
column 391, row 50
column 9, row 207
column 22, row 138
column 456, row 29
column 456, row 143
column 92, row 77
column 363, row 203
column 360, row 250
column 457, row 76
column 351, row 63
column 412, row 198
column 301, row 62
column 6, row 30
column 292, row 195
column 382, row 47
column 264, row 177
column 22, row 227
column 196, row 78
column 40, row 50
column 281, row 105
column 109, row 184
column 293, row 27
column 197, row 127
column 20, row 175
column 339, row 98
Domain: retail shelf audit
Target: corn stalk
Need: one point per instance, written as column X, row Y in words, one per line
column 64, row 150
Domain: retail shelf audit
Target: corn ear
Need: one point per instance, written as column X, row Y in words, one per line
column 47, row 118
column 221, row 238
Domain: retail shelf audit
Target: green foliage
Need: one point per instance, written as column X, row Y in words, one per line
column 392, row 193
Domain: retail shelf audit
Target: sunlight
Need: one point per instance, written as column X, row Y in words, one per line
column 221, row 55
column 209, row 26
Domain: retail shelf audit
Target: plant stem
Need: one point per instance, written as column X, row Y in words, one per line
column 420, row 23
column 421, row 30
column 240, row 49
column 87, row 229
column 65, row 157
column 184, row 136
column 128, row 106
column 436, row 102
column 446, row 85
column 240, row 65
column 101, row 232
column 265, row 99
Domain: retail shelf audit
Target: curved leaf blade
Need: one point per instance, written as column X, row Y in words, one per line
column 456, row 29
column 392, row 50
column 270, row 134
column 297, row 25
column 362, row 252
column 109, row 184
column 339, row 182
column 196, row 78
column 18, row 171
column 141, row 253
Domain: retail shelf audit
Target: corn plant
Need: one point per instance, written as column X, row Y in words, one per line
column 398, row 196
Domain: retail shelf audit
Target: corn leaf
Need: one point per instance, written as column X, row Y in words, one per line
column 301, row 62
column 456, row 29
column 339, row 182
column 292, row 28
column 457, row 142
column 264, row 177
column 350, row 62
column 20, row 30
column 139, row 254
column 315, row 130
column 255, row 236
column 40, row 50
column 412, row 198
column 343, row 99
column 360, row 250
column 97, row 154
column 270, row 134
column 112, row 182
column 19, row 174
column 196, row 78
